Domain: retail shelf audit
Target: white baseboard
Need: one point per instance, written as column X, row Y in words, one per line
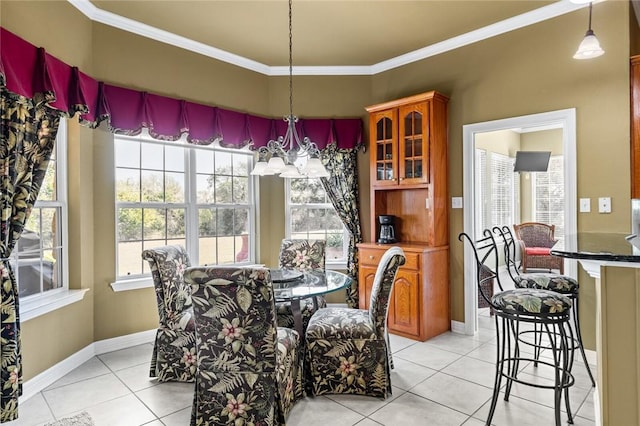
column 41, row 381
column 32, row 386
column 123, row 342
column 458, row 327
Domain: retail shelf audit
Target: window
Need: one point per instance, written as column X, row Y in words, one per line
column 40, row 257
column 310, row 215
column 548, row 197
column 175, row 193
column 498, row 191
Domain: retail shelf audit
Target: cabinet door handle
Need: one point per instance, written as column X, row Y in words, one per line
column 371, row 257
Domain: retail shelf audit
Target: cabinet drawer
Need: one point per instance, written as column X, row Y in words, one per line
column 373, row 256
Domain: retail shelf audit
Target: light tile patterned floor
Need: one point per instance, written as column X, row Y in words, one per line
column 445, row 381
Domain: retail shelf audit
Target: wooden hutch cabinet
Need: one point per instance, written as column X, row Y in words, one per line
column 408, row 148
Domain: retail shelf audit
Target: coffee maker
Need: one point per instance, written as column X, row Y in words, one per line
column 387, row 231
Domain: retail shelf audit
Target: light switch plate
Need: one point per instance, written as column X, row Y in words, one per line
column 585, row 205
column 604, row 205
column 456, row 202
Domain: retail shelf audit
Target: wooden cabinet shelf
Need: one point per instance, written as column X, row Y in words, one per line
column 408, row 165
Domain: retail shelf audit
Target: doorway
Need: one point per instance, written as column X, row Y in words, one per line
column 561, row 119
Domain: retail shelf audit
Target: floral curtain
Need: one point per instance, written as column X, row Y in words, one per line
column 342, row 188
column 28, row 130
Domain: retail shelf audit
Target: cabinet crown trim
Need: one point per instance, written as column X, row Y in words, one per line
column 420, row 97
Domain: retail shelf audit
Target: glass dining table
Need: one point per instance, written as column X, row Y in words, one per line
column 292, row 286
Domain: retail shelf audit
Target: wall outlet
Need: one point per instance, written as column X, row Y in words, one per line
column 604, row 205
column 456, row 202
column 585, row 205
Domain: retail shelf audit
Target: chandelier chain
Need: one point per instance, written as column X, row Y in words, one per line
column 290, row 60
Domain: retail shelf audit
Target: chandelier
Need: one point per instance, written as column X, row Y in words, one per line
column 288, row 156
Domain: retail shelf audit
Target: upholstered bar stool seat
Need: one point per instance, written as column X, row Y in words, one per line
column 555, row 282
column 528, row 301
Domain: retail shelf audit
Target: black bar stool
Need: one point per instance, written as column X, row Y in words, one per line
column 546, row 310
column 560, row 283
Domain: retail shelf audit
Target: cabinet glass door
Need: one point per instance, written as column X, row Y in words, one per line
column 414, row 144
column 385, row 169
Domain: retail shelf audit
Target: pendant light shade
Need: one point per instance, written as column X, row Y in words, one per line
column 590, row 46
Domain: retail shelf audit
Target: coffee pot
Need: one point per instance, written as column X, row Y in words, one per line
column 387, row 231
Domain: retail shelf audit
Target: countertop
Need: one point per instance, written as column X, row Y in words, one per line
column 612, row 247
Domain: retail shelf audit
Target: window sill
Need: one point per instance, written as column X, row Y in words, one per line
column 40, row 306
column 133, row 284
column 337, row 266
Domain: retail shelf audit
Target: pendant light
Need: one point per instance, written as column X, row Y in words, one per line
column 590, row 46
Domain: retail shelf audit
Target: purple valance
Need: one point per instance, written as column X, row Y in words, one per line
column 31, row 72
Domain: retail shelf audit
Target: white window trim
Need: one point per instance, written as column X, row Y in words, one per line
column 36, row 307
column 132, row 284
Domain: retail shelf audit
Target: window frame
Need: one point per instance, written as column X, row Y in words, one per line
column 329, row 264
column 35, row 305
column 190, row 205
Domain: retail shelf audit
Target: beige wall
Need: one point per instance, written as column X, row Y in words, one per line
column 522, row 72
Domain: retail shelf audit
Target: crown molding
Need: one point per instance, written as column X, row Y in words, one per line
column 520, row 21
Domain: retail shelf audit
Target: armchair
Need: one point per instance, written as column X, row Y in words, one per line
column 249, row 371
column 536, row 240
column 173, row 355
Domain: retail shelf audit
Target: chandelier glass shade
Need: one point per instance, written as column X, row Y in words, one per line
column 590, row 46
column 289, row 156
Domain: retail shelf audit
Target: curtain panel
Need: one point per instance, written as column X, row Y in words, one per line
column 342, row 189
column 27, row 70
column 28, row 132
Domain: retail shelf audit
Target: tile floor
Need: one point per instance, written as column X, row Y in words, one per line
column 445, row 381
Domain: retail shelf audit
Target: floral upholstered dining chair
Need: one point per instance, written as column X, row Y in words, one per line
column 347, row 349
column 301, row 255
column 249, row 371
column 174, row 351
